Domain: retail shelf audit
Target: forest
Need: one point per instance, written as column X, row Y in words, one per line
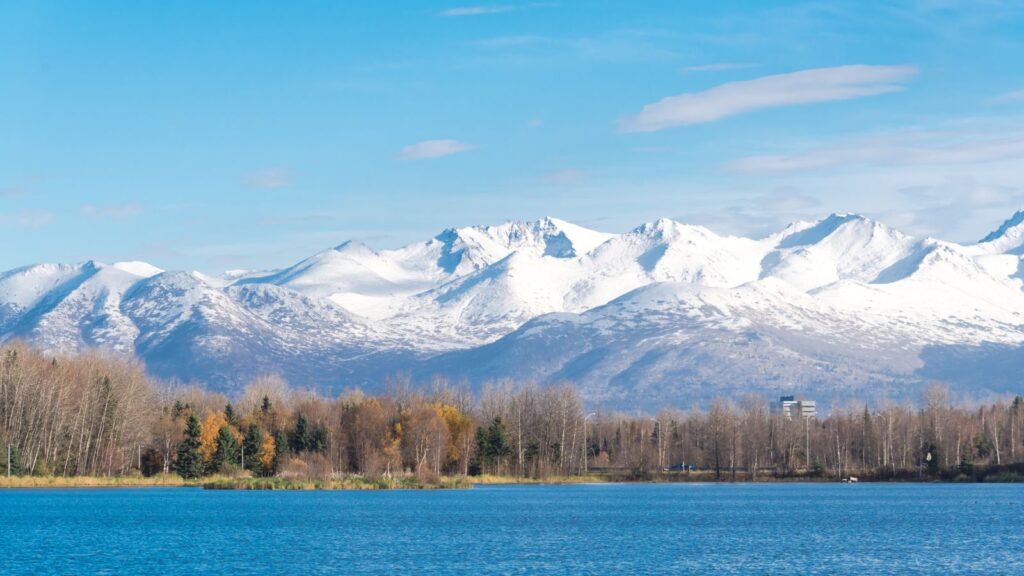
column 97, row 415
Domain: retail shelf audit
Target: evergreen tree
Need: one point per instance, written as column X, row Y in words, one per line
column 228, row 450
column 319, row 440
column 229, row 415
column 253, row 449
column 265, row 408
column 476, row 465
column 280, row 449
column 498, row 447
column 189, row 463
column 308, row 437
column 982, row 445
column 492, row 445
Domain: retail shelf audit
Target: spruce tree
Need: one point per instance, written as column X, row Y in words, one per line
column 228, row 451
column 229, row 415
column 280, row 449
column 189, row 463
column 253, row 449
column 498, row 447
column 479, row 461
column 492, row 445
column 303, row 440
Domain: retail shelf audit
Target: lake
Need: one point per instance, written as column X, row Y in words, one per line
column 588, row 529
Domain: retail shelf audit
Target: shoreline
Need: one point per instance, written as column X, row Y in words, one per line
column 359, row 483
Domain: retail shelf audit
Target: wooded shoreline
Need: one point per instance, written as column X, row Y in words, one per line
column 1001, row 474
column 68, row 421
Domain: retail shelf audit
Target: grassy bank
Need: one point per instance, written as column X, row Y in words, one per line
column 491, row 479
column 346, row 483
column 91, row 481
column 1013, row 473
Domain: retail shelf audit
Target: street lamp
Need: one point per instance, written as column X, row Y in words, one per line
column 585, row 418
column 661, row 450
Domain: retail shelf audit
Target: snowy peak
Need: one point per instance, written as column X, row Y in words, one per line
column 666, row 250
column 472, row 248
column 583, row 240
column 838, row 247
column 1011, row 223
column 137, row 268
column 1008, row 238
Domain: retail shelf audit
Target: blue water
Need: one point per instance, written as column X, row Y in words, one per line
column 594, row 529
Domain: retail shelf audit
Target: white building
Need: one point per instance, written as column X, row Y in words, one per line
column 791, row 407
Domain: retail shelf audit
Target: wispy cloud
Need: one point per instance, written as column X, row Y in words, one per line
column 901, row 150
column 303, row 219
column 1009, row 97
column 563, row 176
column 12, row 192
column 615, row 46
column 720, row 67
column 433, row 149
column 475, row 10
column 268, row 178
column 483, row 10
column 118, row 212
column 802, row 87
column 28, row 219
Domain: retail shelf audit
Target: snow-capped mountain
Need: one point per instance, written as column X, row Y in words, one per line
column 845, row 307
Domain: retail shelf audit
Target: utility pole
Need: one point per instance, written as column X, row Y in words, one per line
column 585, row 440
column 807, row 440
column 661, row 454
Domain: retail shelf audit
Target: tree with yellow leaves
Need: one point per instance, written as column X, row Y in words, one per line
column 214, row 421
column 460, row 437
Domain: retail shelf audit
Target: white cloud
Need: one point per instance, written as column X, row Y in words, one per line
column 118, row 212
column 564, row 176
column 802, row 87
column 269, row 178
column 433, row 149
column 475, row 10
column 719, row 67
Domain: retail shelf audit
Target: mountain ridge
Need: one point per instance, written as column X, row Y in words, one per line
column 666, row 310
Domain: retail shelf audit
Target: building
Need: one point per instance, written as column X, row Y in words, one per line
column 791, row 407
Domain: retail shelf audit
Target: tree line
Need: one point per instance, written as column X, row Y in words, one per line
column 96, row 415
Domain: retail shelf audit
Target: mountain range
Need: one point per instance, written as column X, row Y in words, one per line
column 843, row 307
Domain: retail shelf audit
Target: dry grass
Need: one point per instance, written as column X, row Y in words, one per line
column 91, row 481
column 493, row 479
column 345, row 483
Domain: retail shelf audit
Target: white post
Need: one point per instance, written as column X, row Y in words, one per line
column 585, row 440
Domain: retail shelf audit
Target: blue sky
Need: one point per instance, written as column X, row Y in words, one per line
column 213, row 135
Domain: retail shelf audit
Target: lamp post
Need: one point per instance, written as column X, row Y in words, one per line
column 661, row 453
column 585, row 418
